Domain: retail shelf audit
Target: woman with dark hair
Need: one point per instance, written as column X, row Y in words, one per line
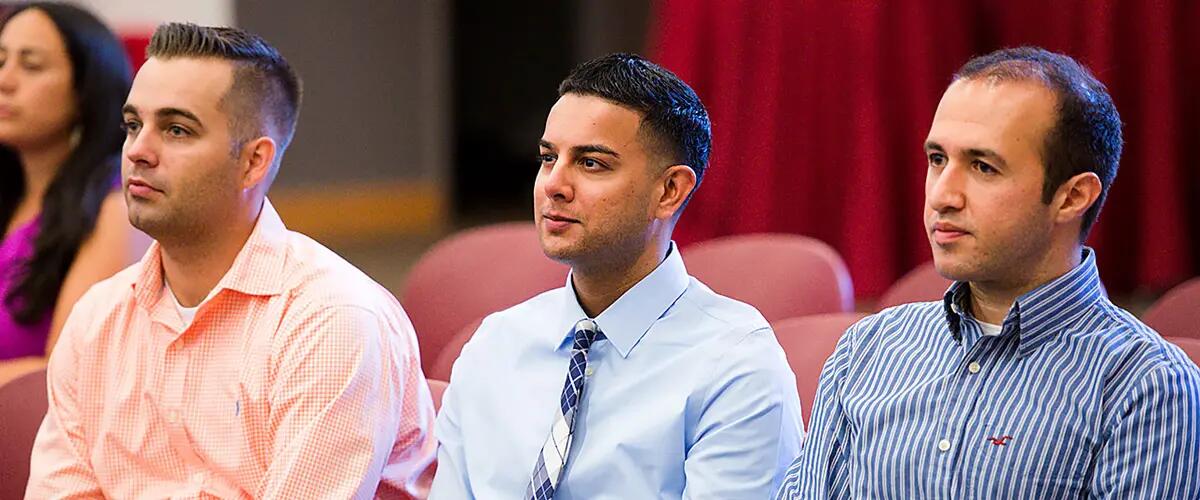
column 63, row 79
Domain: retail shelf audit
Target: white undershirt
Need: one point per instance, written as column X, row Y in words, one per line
column 188, row 314
column 990, row 329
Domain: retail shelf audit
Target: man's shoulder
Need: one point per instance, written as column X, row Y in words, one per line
column 701, row 304
column 1132, row 347
column 94, row 316
column 507, row 339
column 902, row 318
column 917, row 325
column 533, row 312
column 911, row 310
column 317, row 275
column 109, row 294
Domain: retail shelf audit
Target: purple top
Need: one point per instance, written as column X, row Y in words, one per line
column 17, row 340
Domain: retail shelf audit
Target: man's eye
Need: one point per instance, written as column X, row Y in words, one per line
column 986, row 169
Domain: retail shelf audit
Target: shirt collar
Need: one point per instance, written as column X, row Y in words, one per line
column 257, row 269
column 628, row 319
column 1038, row 314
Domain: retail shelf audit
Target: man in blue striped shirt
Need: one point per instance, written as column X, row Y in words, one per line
column 1025, row 381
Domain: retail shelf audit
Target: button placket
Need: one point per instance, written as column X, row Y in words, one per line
column 966, row 387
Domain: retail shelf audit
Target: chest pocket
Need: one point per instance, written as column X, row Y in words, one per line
column 1037, row 441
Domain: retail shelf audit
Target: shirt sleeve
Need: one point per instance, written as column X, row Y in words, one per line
column 59, row 466
column 1152, row 449
column 349, row 409
column 451, row 481
column 821, row 469
column 749, row 427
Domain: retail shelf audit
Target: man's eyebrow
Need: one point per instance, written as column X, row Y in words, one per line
column 177, row 112
column 594, row 148
column 165, row 113
column 985, row 153
column 972, row 152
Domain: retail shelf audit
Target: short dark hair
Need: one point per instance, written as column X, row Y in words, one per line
column 265, row 95
column 1086, row 136
column 674, row 120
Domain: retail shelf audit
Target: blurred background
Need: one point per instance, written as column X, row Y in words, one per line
column 421, row 118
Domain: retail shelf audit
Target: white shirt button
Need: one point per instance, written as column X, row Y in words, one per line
column 198, row 478
column 589, row 371
column 172, row 416
column 944, row 445
column 973, row 367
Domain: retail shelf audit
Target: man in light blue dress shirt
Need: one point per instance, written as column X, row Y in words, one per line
column 1025, row 382
column 680, row 392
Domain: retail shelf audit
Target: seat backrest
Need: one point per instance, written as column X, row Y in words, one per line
column 445, row 361
column 436, row 389
column 1190, row 346
column 22, row 407
column 808, row 341
column 783, row 275
column 471, row 274
column 922, row 284
column 1177, row 313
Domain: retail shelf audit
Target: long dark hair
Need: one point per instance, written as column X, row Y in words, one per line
column 72, row 200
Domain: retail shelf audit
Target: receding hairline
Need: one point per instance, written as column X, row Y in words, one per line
column 1015, row 72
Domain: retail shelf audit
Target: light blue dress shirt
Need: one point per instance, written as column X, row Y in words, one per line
column 689, row 396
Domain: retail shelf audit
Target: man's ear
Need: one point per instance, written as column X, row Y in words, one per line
column 257, row 158
column 1075, row 196
column 675, row 184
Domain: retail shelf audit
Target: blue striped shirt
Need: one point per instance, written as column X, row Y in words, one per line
column 1075, row 398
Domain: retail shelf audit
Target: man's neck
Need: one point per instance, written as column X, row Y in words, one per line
column 598, row 287
column 991, row 300
column 194, row 268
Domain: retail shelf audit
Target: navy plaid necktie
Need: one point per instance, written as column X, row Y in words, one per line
column 553, row 457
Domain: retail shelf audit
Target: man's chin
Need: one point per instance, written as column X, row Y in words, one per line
column 954, row 269
column 559, row 249
column 143, row 220
column 559, row 254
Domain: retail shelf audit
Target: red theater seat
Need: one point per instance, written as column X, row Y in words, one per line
column 22, row 406
column 808, row 341
column 1177, row 313
column 783, row 275
column 436, row 389
column 445, row 361
column 922, row 284
column 1189, row 345
column 471, row 274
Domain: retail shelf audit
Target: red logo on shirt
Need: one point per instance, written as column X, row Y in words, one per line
column 999, row 441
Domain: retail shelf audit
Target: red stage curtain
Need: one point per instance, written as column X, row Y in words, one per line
column 820, row 109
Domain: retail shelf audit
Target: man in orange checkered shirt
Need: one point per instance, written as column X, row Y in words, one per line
column 237, row 359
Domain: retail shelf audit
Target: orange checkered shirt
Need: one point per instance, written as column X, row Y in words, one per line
column 298, row 378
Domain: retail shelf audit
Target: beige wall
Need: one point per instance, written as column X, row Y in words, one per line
column 371, row 153
column 143, row 15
